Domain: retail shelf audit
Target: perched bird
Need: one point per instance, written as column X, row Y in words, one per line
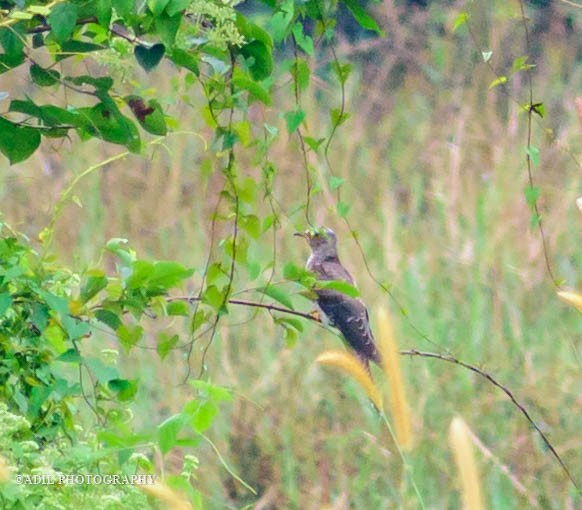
column 346, row 313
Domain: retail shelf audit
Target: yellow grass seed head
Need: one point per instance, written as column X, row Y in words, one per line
column 351, row 365
column 4, row 471
column 460, row 441
column 572, row 298
column 390, row 357
column 165, row 495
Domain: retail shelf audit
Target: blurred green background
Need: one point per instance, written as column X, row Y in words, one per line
column 435, row 172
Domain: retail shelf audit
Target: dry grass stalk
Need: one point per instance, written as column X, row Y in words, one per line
column 4, row 471
column 352, row 366
column 519, row 487
column 170, row 499
column 391, row 364
column 461, row 444
column 572, row 298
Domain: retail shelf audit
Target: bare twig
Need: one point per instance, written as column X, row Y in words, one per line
column 451, row 359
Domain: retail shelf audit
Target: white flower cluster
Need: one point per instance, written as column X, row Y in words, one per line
column 222, row 29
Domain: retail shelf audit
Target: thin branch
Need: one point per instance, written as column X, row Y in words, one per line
column 253, row 304
column 451, row 359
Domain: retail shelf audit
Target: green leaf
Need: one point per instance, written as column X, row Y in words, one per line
column 71, row 48
column 305, row 42
column 213, row 297
column 336, row 182
column 342, row 209
column 70, row 356
column 198, row 319
column 277, row 294
column 166, row 343
column 104, row 373
column 342, row 71
column 211, row 391
column 129, row 336
column 103, row 12
column 312, row 143
column 12, row 40
column 287, row 321
column 105, row 121
column 520, row 64
column 460, row 20
column 49, row 115
column 157, row 6
column 301, row 73
column 498, row 81
column 17, row 143
column 290, row 337
column 254, row 270
column 486, row 56
column 259, row 59
column 125, row 388
column 362, row 17
column 62, row 20
column 148, row 58
column 251, row 224
column 293, row 272
column 44, row 77
column 96, row 282
column 103, row 83
column 8, row 62
column 255, row 90
column 178, row 308
column 75, row 328
column 251, row 31
column 124, row 8
column 108, row 318
column 176, row 6
column 294, row 120
column 5, row 302
column 168, row 432
column 167, row 274
column 532, row 194
column 341, row 286
column 338, row 117
column 167, row 27
column 280, row 22
column 539, row 109
column 40, row 315
column 202, row 419
column 534, row 154
column 185, row 59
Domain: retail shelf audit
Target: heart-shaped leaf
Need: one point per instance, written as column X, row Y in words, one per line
column 149, row 58
column 17, row 143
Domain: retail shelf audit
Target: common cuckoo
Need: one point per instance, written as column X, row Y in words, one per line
column 346, row 313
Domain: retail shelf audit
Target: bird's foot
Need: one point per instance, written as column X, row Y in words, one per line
column 316, row 315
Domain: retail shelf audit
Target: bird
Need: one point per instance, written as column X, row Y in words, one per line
column 346, row 313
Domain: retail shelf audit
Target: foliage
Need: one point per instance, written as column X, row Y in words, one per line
column 19, row 450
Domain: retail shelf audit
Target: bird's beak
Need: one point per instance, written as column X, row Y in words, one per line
column 299, row 234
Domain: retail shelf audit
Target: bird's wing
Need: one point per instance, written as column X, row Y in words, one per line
column 350, row 316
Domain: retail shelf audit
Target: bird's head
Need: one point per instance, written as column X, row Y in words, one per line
column 321, row 240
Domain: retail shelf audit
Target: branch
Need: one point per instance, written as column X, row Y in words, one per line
column 507, row 391
column 253, row 304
